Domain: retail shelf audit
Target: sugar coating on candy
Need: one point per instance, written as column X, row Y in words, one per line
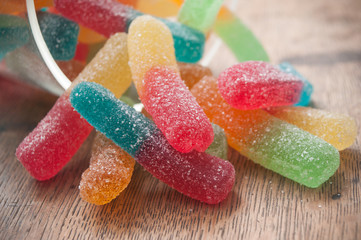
column 307, row 89
column 110, row 66
column 60, row 35
column 188, row 42
column 109, row 173
column 254, row 84
column 175, row 111
column 108, row 17
column 219, row 146
column 199, row 14
column 238, row 37
column 115, row 119
column 59, row 135
column 14, row 33
column 46, row 150
column 197, row 175
column 192, row 73
column 337, row 129
column 269, row 141
column 150, row 44
column 104, row 16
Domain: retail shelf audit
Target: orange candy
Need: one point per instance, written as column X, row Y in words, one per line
column 109, row 173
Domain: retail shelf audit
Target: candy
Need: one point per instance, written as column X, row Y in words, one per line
column 238, row 37
column 60, row 35
column 109, row 172
column 192, row 73
column 108, row 17
column 252, row 85
column 86, row 35
column 197, row 175
column 269, row 141
column 162, row 91
column 337, row 129
column 57, row 137
column 219, row 146
column 307, row 89
column 14, row 33
column 199, row 14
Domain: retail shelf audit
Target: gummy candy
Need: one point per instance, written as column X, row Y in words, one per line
column 337, row 129
column 108, row 17
column 162, row 91
column 109, row 173
column 252, row 85
column 192, row 73
column 269, row 141
column 219, row 146
column 14, row 33
column 60, row 35
column 58, row 136
column 238, row 37
column 307, row 86
column 197, row 175
column 54, row 141
column 199, row 14
column 87, row 35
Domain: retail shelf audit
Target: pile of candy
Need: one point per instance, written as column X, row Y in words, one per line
column 192, row 115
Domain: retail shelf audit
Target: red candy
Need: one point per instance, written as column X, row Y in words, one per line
column 54, row 141
column 104, row 16
column 253, row 84
column 175, row 110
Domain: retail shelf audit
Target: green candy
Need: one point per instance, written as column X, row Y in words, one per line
column 219, row 146
column 199, row 14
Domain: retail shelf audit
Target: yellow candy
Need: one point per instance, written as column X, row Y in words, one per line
column 337, row 129
column 110, row 66
column 145, row 54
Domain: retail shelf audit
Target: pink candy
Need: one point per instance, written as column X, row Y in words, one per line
column 175, row 110
column 252, row 85
column 46, row 150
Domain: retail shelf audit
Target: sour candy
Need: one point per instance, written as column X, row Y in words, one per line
column 58, row 136
column 269, row 141
column 197, row 175
column 108, row 17
column 162, row 91
column 60, row 35
column 14, row 33
column 307, row 88
column 253, row 84
column 337, row 129
column 192, row 73
column 238, row 37
column 199, row 14
column 109, row 173
column 219, row 146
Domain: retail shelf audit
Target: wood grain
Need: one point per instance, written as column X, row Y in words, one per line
column 322, row 39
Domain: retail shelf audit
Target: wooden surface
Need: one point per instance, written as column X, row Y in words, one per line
column 321, row 38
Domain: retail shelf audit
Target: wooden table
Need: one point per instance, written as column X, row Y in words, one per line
column 322, row 39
